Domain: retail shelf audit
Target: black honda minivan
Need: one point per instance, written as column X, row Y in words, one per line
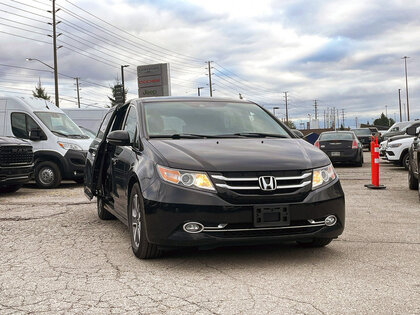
column 209, row 172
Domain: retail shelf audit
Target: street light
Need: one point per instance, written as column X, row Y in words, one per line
column 274, row 110
column 55, row 79
column 122, row 79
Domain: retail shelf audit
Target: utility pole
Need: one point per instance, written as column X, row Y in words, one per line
column 406, row 87
column 399, row 101
column 356, row 122
column 338, row 118
column 342, row 117
column 240, row 96
column 210, row 85
column 54, row 36
column 78, row 94
column 316, row 109
column 198, row 90
column 122, row 80
column 324, row 119
column 287, row 111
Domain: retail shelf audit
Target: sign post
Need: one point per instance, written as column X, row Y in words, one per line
column 154, row 80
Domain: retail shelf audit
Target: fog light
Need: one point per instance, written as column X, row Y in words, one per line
column 193, row 227
column 330, row 220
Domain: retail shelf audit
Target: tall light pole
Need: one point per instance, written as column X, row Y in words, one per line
column 399, row 101
column 274, row 110
column 122, row 79
column 198, row 90
column 406, row 87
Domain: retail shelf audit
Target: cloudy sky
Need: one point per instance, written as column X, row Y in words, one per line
column 344, row 54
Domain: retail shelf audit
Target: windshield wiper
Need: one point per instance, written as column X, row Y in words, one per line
column 60, row 133
column 183, row 136
column 259, row 135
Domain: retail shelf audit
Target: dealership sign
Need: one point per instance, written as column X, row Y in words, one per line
column 154, row 80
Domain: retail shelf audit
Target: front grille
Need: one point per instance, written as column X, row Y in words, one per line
column 16, row 155
column 245, row 187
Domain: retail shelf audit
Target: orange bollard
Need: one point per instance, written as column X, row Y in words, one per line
column 374, row 165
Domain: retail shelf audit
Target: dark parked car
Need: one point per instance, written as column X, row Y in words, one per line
column 364, row 135
column 207, row 172
column 341, row 146
column 414, row 159
column 16, row 163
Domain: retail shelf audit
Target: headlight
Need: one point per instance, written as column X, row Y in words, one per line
column 322, row 176
column 185, row 178
column 69, row 146
column 394, row 145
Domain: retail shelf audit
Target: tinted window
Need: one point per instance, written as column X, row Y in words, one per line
column 208, row 118
column 130, row 124
column 361, row 132
column 104, row 124
column 336, row 136
column 22, row 125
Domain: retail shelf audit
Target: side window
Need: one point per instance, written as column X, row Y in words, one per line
column 104, row 124
column 130, row 125
column 22, row 125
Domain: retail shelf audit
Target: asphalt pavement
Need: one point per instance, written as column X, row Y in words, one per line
column 56, row 256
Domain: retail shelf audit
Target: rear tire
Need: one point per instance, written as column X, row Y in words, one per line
column 47, row 175
column 413, row 182
column 140, row 245
column 316, row 242
column 103, row 214
column 360, row 162
column 10, row 189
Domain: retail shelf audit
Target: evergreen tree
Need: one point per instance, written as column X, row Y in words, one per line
column 40, row 92
column 384, row 121
column 112, row 99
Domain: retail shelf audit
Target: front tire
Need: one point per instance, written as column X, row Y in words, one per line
column 405, row 161
column 47, row 175
column 140, row 245
column 316, row 242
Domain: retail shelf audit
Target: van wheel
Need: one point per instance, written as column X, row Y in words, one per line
column 405, row 160
column 316, row 242
column 413, row 182
column 140, row 245
column 47, row 175
column 10, row 189
column 103, row 214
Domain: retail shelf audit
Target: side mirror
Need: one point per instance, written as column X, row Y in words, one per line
column 119, row 138
column 413, row 130
column 35, row 134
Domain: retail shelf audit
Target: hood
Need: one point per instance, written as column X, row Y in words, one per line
column 12, row 141
column 222, row 155
column 407, row 140
column 399, row 137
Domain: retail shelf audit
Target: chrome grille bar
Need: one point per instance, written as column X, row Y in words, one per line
column 258, row 188
column 246, row 179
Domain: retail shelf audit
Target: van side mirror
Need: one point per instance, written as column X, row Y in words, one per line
column 413, row 130
column 119, row 138
column 35, row 134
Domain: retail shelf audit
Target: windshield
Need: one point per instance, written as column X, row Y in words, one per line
column 210, row 119
column 336, row 136
column 362, row 132
column 60, row 124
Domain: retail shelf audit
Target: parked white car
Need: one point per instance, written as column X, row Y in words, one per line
column 397, row 151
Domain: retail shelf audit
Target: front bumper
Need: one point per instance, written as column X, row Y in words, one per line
column 168, row 208
column 74, row 164
column 15, row 175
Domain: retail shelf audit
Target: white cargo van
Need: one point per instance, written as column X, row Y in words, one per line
column 58, row 143
column 89, row 118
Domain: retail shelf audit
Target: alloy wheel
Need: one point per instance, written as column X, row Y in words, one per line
column 136, row 220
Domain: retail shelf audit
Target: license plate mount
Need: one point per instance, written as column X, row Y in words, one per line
column 267, row 216
column 335, row 153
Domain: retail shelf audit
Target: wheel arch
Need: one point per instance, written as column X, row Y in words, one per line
column 51, row 156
